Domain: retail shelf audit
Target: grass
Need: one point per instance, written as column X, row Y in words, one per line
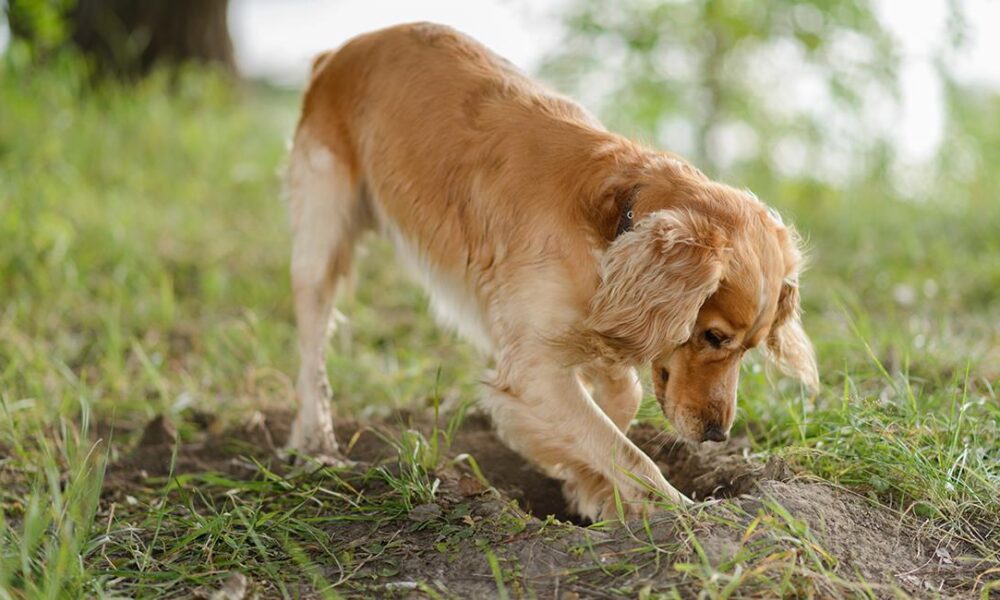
column 143, row 272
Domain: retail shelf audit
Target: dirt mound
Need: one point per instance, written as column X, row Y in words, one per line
column 700, row 471
column 754, row 512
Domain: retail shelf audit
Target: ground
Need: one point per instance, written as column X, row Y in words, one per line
column 831, row 540
column 147, row 347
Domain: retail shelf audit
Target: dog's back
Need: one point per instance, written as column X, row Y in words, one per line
column 432, row 123
column 427, row 81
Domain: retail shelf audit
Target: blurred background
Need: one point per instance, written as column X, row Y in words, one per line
column 140, row 144
column 746, row 82
column 144, row 256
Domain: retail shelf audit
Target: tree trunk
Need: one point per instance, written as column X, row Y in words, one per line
column 129, row 37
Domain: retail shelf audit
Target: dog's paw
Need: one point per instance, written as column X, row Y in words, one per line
column 672, row 495
column 311, row 460
column 311, row 463
column 594, row 498
column 586, row 495
column 313, row 450
column 638, row 503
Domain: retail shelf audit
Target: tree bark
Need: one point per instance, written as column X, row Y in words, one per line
column 129, row 37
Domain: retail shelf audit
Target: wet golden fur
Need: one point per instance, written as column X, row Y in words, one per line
column 504, row 198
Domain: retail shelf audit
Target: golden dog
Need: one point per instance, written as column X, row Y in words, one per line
column 567, row 253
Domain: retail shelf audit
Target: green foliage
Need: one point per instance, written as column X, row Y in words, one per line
column 967, row 160
column 43, row 539
column 39, row 26
column 143, row 270
column 767, row 74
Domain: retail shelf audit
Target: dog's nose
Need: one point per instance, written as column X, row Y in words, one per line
column 714, row 433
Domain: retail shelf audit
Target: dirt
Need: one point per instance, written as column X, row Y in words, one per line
column 748, row 509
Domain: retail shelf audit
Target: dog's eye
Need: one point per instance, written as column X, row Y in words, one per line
column 714, row 338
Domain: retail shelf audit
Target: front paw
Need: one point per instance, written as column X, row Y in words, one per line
column 594, row 497
column 635, row 500
column 313, row 461
column 586, row 495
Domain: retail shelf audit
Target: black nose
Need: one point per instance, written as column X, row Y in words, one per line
column 714, row 433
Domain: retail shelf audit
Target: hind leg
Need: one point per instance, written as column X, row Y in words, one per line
column 325, row 206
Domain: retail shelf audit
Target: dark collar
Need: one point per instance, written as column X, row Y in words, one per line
column 625, row 219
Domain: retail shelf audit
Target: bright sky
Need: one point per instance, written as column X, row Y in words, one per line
column 276, row 39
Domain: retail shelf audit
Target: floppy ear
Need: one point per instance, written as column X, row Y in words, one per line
column 654, row 280
column 787, row 343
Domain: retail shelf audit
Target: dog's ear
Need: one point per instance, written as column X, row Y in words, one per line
column 654, row 280
column 787, row 343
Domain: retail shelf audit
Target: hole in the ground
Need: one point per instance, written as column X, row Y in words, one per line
column 849, row 527
column 700, row 471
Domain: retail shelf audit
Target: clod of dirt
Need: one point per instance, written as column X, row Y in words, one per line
column 707, row 470
column 158, row 433
column 153, row 453
column 424, row 512
column 233, row 588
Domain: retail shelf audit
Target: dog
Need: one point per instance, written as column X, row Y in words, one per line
column 569, row 255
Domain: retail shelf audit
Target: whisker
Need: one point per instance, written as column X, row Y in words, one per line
column 661, row 440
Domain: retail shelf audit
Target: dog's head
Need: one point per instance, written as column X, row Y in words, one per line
column 707, row 273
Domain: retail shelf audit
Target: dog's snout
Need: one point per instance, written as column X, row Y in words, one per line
column 714, row 433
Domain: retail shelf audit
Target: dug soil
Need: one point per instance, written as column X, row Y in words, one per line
column 752, row 520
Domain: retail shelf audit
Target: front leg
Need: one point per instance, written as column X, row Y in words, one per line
column 616, row 390
column 542, row 411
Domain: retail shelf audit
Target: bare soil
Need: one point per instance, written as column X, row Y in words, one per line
column 864, row 545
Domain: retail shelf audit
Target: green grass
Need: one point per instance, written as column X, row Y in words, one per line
column 143, row 254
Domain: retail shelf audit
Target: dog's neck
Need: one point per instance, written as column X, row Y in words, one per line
column 626, row 217
column 631, row 191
